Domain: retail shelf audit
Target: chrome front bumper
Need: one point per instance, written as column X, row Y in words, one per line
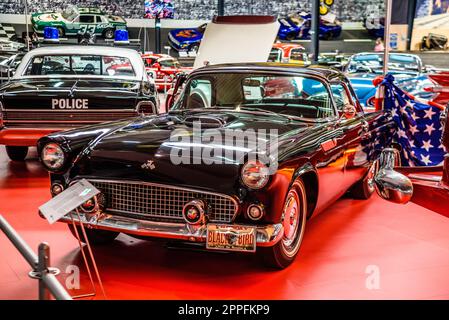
column 266, row 235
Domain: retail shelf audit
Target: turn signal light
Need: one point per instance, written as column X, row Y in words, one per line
column 56, row 188
column 255, row 211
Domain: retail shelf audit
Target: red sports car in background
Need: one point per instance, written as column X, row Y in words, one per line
column 163, row 68
column 441, row 87
column 289, row 53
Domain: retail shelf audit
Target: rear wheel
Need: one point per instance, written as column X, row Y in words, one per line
column 108, row 33
column 290, row 36
column 61, row 32
column 194, row 48
column 328, row 36
column 95, row 236
column 363, row 189
column 294, row 218
column 17, row 153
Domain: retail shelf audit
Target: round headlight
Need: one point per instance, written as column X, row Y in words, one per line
column 52, row 156
column 255, row 174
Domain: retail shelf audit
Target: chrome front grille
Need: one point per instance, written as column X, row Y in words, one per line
column 57, row 117
column 160, row 202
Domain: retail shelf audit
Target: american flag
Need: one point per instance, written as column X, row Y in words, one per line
column 418, row 126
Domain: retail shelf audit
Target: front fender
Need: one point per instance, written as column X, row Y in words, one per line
column 275, row 194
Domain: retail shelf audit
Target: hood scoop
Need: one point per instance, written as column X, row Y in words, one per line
column 206, row 122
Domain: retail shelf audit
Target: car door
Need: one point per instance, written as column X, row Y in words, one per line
column 356, row 137
column 87, row 23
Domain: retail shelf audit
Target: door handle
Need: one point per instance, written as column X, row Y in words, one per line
column 365, row 129
column 365, row 126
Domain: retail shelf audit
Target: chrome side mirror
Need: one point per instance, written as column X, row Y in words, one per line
column 390, row 184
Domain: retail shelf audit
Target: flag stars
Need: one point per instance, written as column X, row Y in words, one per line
column 429, row 129
column 414, row 129
column 427, row 145
column 429, row 113
column 401, row 134
column 426, row 159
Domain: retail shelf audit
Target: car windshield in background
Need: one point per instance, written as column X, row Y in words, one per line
column 4, row 60
column 69, row 14
column 297, row 96
column 169, row 63
column 88, row 65
column 373, row 63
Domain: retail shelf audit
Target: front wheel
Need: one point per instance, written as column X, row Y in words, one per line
column 95, row 236
column 108, row 33
column 16, row 153
column 363, row 189
column 294, row 217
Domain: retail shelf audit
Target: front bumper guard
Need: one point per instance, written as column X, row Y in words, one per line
column 266, row 235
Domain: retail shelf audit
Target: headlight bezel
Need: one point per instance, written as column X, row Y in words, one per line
column 265, row 178
column 62, row 161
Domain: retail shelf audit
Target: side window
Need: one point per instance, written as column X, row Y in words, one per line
column 199, row 94
column 98, row 19
column 87, row 19
column 275, row 55
column 340, row 95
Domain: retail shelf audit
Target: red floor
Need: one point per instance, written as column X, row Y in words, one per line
column 409, row 246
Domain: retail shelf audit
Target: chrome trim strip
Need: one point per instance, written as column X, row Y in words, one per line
column 53, row 121
column 266, row 235
column 233, row 199
column 70, row 110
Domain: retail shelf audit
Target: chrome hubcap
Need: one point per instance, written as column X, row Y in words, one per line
column 292, row 213
column 370, row 176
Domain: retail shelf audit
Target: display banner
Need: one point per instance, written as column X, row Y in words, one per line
column 162, row 9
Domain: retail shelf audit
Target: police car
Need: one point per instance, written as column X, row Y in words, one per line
column 63, row 87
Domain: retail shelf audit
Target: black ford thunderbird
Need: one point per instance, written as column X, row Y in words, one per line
column 246, row 154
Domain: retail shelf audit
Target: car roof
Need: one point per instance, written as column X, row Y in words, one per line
column 89, row 10
column 288, row 45
column 313, row 70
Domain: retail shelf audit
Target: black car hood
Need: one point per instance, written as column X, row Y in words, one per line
column 144, row 149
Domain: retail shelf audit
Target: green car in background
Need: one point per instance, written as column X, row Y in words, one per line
column 73, row 21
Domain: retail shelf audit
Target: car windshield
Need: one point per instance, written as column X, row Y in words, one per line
column 169, row 63
column 69, row 14
column 373, row 63
column 298, row 96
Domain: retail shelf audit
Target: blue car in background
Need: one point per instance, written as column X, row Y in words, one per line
column 298, row 27
column 408, row 70
column 186, row 39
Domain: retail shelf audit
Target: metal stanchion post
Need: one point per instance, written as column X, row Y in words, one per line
column 42, row 266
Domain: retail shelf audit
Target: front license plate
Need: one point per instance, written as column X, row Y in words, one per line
column 231, row 238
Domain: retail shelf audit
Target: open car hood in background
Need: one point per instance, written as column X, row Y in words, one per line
column 232, row 39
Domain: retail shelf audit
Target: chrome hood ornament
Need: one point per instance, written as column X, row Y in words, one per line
column 149, row 165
